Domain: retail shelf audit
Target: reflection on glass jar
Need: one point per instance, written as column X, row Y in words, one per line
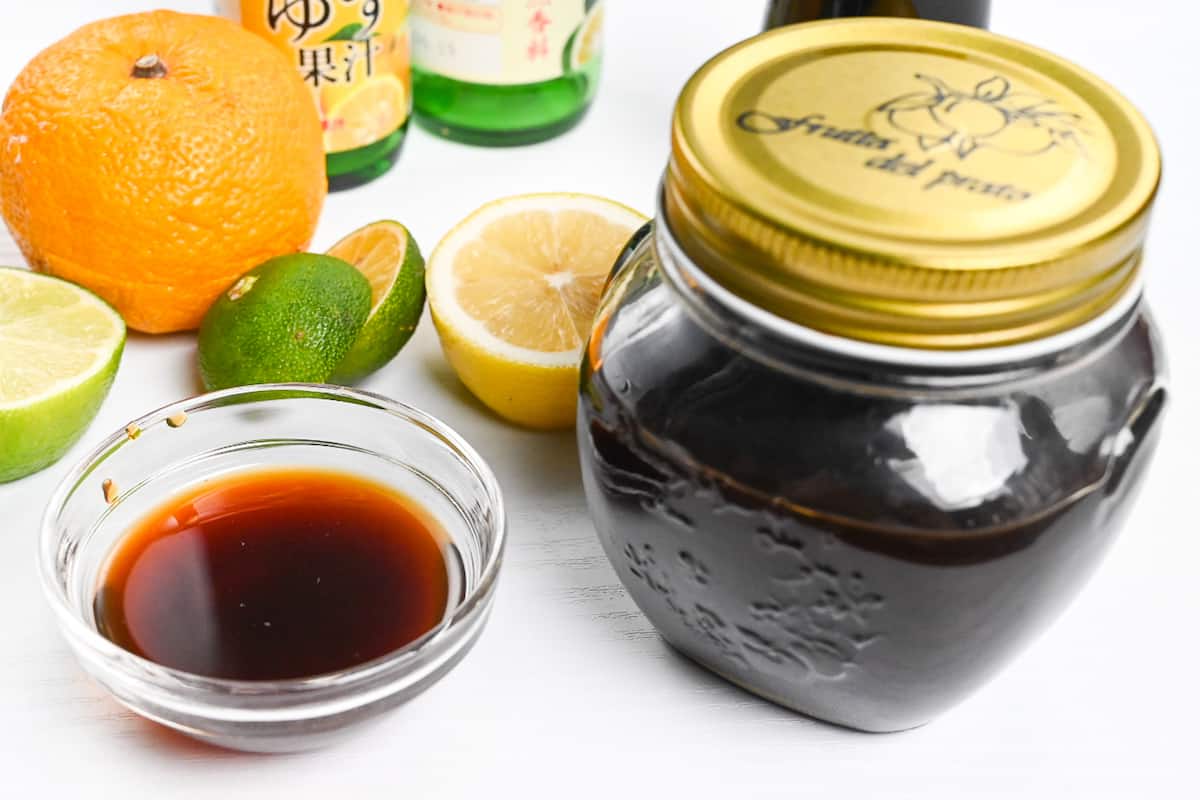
column 852, row 435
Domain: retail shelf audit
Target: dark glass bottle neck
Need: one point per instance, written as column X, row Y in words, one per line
column 963, row 12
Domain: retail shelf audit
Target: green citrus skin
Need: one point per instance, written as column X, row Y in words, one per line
column 47, row 320
column 289, row 320
column 393, row 321
column 32, row 439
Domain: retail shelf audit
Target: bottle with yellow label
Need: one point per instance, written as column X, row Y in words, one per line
column 505, row 72
column 354, row 54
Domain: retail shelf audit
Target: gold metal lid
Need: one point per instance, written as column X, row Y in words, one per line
column 911, row 183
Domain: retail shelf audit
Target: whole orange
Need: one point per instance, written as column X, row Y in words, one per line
column 154, row 158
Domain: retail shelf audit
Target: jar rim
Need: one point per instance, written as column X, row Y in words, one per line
column 684, row 274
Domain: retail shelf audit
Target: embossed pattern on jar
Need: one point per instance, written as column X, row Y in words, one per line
column 865, row 405
column 875, row 558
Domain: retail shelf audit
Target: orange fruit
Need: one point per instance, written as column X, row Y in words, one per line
column 154, row 158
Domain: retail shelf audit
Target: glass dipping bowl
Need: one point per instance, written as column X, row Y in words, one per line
column 169, row 451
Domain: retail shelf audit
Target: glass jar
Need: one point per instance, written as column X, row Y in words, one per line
column 505, row 72
column 354, row 55
column 866, row 404
column 964, row 12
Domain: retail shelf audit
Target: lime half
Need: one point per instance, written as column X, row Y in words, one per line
column 59, row 350
column 386, row 254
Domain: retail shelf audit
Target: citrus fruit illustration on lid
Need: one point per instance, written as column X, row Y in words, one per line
column 991, row 115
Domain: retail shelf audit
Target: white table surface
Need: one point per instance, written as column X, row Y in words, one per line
column 569, row 693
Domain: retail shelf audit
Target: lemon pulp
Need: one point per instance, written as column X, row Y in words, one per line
column 513, row 289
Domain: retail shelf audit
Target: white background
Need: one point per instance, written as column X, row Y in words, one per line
column 569, row 693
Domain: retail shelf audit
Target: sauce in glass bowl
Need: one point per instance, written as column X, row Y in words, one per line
column 268, row 575
column 269, row 567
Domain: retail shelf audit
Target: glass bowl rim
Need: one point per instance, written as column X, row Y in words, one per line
column 291, row 690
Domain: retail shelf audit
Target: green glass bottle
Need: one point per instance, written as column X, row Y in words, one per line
column 354, row 55
column 349, row 168
column 505, row 72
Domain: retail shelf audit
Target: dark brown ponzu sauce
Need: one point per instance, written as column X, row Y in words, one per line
column 275, row 574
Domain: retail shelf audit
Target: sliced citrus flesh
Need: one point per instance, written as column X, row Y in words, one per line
column 513, row 289
column 59, row 350
column 388, row 256
column 373, row 110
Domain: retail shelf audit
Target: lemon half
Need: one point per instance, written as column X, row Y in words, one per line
column 512, row 291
